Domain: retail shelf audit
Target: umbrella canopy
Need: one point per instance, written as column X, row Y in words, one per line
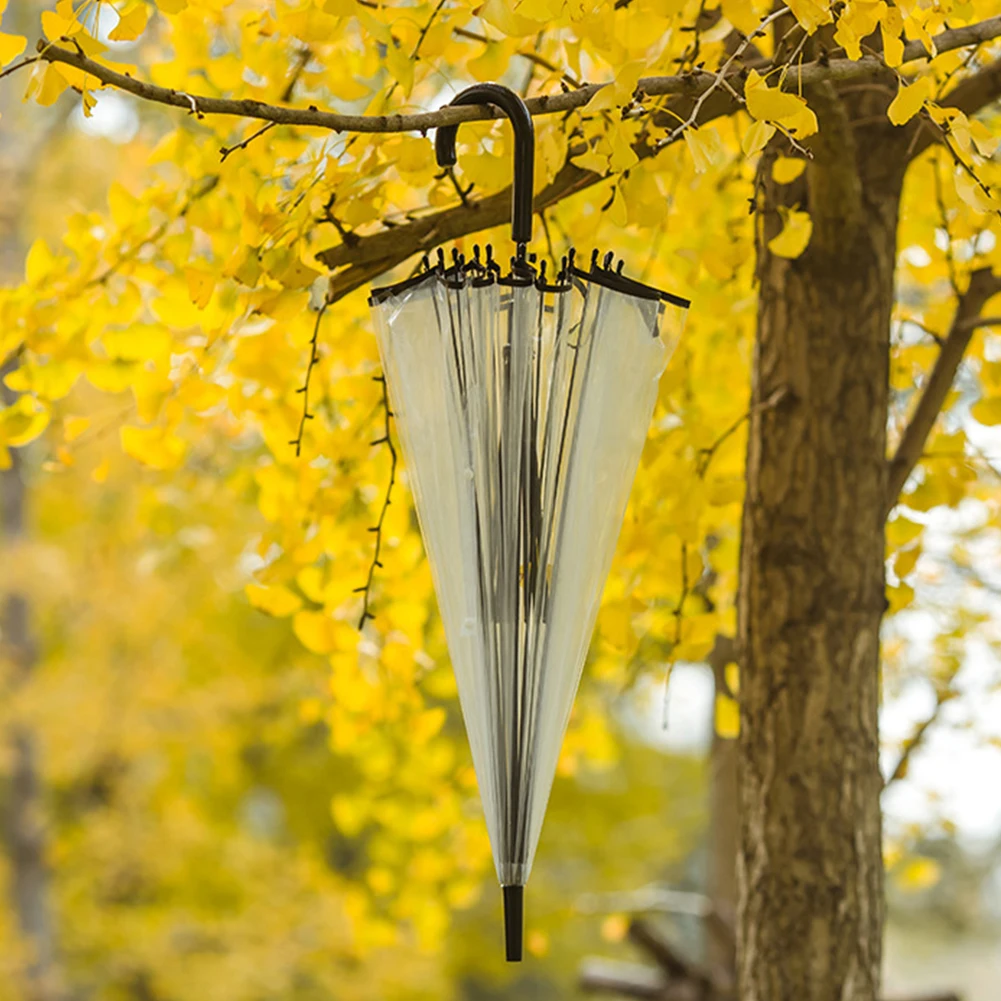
column 522, row 405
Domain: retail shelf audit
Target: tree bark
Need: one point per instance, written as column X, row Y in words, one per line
column 724, row 825
column 812, row 577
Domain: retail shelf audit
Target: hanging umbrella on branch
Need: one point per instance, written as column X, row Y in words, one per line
column 523, row 402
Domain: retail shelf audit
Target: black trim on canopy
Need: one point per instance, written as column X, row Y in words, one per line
column 522, row 273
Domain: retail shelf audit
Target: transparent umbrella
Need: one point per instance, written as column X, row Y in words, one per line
column 522, row 405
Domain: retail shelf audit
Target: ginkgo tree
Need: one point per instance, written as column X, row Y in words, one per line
column 822, row 177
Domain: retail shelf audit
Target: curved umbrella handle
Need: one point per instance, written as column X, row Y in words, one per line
column 524, row 149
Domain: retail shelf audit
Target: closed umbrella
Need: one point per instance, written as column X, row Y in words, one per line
column 522, row 402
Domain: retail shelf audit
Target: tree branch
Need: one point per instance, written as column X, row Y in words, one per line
column 983, row 285
column 913, row 742
column 366, row 589
column 693, row 85
column 631, row 980
column 970, row 95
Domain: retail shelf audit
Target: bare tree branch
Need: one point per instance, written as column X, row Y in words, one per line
column 984, row 321
column 631, row 980
column 983, row 285
column 693, row 85
column 913, row 742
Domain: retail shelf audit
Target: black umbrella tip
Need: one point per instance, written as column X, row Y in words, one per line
column 514, row 920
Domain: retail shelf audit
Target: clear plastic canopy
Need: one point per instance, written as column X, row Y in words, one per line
column 522, row 410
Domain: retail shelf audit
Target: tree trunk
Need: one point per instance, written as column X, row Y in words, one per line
column 724, row 826
column 812, row 585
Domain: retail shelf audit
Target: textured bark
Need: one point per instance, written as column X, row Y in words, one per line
column 812, row 589
column 724, row 827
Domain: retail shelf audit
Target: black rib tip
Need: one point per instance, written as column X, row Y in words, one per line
column 514, row 919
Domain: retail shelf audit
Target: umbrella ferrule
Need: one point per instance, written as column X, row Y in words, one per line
column 514, row 921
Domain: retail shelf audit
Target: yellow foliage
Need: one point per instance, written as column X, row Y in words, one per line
column 131, row 22
column 786, row 169
column 919, row 873
column 780, row 107
column 910, row 100
column 11, row 46
column 727, row 717
column 705, row 146
column 811, row 13
column 797, row 228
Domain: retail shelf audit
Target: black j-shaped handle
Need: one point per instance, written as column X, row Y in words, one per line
column 524, row 149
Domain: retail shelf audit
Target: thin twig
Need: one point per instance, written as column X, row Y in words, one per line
column 224, row 151
column 19, row 66
column 386, row 440
column 982, row 321
column 720, row 75
column 314, row 357
column 961, row 163
column 706, row 454
column 302, row 60
column 415, row 54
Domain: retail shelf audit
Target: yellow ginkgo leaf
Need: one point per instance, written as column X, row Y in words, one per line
column 795, row 235
column 491, row 62
column 131, row 22
column 857, row 20
column 811, row 14
column 623, row 156
column 401, row 68
column 986, row 141
column 592, row 160
column 892, row 27
column 909, row 100
column 786, row 169
column 23, row 421
column 920, row 873
column 727, row 717
column 756, row 137
column 973, row 193
column 201, row 285
column 987, row 411
column 155, row 447
column 275, row 600
column 705, row 146
column 73, row 427
column 906, row 561
column 774, row 105
column 11, row 46
column 741, row 15
column 39, row 263
column 731, row 674
column 46, row 84
column 315, row 631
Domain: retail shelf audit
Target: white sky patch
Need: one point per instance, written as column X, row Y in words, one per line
column 690, row 697
column 113, row 117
